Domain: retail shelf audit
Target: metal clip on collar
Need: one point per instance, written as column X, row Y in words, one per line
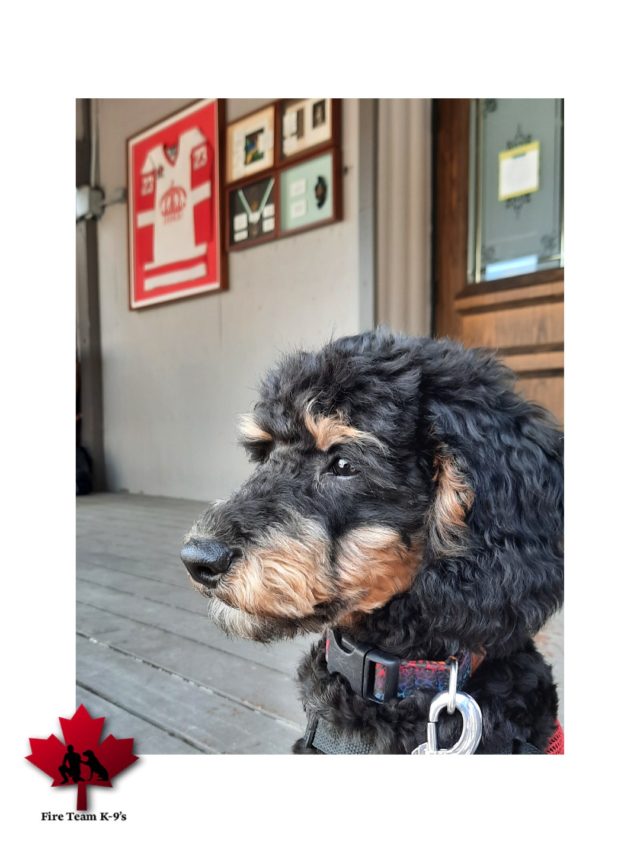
column 471, row 719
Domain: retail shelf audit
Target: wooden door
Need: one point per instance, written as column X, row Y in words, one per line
column 520, row 317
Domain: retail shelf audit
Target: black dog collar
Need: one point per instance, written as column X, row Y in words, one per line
column 380, row 676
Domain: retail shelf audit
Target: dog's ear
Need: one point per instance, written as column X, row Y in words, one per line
column 494, row 568
column 447, row 531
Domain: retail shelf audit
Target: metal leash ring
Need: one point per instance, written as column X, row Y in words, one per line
column 468, row 741
column 453, row 683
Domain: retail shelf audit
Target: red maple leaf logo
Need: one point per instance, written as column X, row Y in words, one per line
column 82, row 760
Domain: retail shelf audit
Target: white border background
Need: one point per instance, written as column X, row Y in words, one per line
column 586, row 54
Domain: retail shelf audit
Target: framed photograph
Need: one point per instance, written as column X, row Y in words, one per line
column 306, row 124
column 250, row 145
column 175, row 229
column 310, row 193
column 252, row 213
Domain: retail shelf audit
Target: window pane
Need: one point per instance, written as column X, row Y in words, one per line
column 516, row 178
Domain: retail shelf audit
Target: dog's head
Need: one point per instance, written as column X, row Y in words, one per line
column 402, row 490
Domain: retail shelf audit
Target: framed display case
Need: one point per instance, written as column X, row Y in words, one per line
column 174, row 206
column 310, row 193
column 250, row 144
column 307, row 124
column 252, row 212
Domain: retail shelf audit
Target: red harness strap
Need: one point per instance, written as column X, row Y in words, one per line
column 556, row 742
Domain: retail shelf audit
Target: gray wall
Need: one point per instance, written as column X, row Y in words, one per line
column 176, row 376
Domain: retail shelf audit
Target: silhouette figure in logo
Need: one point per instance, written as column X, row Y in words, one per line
column 70, row 768
column 94, row 765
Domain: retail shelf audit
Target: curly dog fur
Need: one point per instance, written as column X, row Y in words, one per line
column 405, row 494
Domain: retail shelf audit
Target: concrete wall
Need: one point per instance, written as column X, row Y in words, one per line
column 176, row 376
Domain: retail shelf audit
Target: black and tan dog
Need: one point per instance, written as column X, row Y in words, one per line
column 407, row 502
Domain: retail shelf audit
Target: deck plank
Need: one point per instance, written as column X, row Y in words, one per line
column 252, row 685
column 147, row 738
column 204, row 720
column 139, row 603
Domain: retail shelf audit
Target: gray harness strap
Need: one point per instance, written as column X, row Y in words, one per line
column 324, row 737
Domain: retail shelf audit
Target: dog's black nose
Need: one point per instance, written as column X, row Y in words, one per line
column 206, row 560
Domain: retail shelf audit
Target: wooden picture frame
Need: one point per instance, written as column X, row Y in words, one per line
column 311, row 193
column 250, row 144
column 253, row 212
column 175, row 215
column 306, row 126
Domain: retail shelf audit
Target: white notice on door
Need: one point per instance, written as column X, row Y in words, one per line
column 519, row 171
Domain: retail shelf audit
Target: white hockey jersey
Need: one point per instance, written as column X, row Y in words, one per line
column 167, row 174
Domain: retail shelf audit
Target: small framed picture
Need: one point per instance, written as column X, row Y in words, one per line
column 306, row 124
column 250, row 145
column 310, row 193
column 175, row 207
column 252, row 213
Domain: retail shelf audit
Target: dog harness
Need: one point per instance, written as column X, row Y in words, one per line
column 380, row 676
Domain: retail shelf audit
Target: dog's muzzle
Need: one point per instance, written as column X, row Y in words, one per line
column 206, row 560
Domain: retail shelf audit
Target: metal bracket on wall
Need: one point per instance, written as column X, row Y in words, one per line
column 91, row 201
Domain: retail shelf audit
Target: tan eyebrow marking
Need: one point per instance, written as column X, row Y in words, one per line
column 331, row 429
column 250, row 430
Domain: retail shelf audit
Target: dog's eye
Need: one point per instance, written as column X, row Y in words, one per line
column 343, row 468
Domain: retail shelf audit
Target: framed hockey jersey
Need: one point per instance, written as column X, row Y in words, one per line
column 175, row 210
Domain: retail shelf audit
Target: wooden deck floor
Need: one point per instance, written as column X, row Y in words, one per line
column 149, row 659
column 147, row 655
